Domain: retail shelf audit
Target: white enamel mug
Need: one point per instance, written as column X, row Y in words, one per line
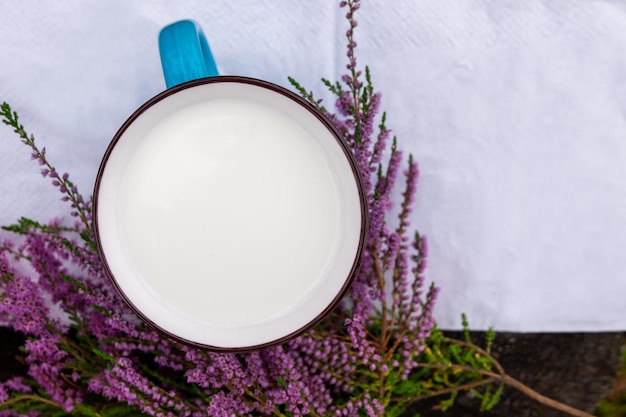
column 229, row 212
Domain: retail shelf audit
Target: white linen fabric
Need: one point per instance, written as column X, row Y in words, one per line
column 515, row 111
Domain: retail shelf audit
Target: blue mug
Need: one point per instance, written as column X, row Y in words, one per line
column 229, row 212
column 185, row 53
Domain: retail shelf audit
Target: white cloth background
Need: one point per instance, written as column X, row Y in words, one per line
column 515, row 111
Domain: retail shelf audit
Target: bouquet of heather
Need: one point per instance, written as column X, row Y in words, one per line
column 376, row 354
column 97, row 358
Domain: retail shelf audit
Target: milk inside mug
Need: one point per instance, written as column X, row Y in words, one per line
column 229, row 212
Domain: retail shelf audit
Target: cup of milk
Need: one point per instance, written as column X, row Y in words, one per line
column 229, row 212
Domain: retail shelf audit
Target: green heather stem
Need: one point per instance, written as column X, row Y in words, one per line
column 31, row 397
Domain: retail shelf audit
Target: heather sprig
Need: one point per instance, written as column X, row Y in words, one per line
column 81, row 207
column 390, row 312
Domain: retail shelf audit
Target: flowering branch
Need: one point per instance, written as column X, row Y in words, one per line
column 82, row 209
column 485, row 371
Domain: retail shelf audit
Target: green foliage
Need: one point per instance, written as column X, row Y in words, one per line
column 449, row 366
column 10, row 118
column 614, row 404
column 24, row 225
column 446, row 368
column 103, row 355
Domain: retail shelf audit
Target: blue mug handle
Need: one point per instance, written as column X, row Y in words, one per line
column 185, row 53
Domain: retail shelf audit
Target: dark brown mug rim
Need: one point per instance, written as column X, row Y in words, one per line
column 335, row 133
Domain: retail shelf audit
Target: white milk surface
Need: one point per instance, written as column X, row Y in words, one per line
column 229, row 212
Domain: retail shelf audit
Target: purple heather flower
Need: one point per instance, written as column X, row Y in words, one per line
column 16, row 384
column 23, row 302
column 4, row 395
